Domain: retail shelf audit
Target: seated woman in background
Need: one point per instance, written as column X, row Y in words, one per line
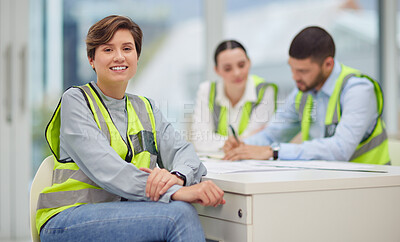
column 107, row 145
column 244, row 102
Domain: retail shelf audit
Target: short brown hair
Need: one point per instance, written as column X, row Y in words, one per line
column 102, row 32
column 314, row 42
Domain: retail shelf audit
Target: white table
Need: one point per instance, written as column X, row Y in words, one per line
column 306, row 205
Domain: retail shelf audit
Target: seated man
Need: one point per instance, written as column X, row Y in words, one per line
column 337, row 109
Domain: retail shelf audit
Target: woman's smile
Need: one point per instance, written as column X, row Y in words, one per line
column 118, row 68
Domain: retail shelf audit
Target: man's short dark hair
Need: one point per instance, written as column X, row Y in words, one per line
column 312, row 42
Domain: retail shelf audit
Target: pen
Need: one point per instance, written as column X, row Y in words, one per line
column 234, row 134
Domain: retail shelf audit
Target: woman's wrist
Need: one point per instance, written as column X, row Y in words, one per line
column 181, row 178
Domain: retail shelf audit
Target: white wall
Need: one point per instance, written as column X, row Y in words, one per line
column 14, row 121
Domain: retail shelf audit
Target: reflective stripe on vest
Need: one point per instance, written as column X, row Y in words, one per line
column 71, row 187
column 373, row 148
column 220, row 113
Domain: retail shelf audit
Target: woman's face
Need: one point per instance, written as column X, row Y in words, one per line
column 116, row 61
column 233, row 66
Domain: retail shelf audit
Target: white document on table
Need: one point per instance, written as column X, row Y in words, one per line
column 221, row 166
column 213, row 155
column 320, row 165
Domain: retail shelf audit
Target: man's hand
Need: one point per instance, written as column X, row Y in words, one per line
column 249, row 152
column 205, row 193
column 159, row 181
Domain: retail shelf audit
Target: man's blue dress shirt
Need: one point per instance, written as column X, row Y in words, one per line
column 359, row 114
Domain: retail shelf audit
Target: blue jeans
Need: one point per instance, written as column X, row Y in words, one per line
column 125, row 221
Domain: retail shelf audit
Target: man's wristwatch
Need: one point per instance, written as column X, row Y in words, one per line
column 180, row 176
column 275, row 151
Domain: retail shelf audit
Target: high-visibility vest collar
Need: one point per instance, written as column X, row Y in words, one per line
column 220, row 113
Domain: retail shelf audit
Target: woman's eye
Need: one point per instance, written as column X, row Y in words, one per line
column 127, row 48
column 107, row 49
column 242, row 64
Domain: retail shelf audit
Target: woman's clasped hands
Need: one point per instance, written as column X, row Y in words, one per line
column 205, row 193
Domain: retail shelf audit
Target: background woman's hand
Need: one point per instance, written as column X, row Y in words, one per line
column 159, row 181
column 230, row 144
column 205, row 193
column 249, row 152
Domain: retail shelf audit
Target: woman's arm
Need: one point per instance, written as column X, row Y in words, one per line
column 179, row 155
column 206, row 193
column 176, row 153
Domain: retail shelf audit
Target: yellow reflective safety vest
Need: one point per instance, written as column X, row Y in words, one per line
column 220, row 113
column 373, row 149
column 71, row 187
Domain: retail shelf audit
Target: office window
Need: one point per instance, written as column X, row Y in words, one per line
column 266, row 28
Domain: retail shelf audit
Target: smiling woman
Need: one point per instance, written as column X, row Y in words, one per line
column 120, row 169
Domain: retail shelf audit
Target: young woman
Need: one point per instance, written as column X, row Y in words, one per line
column 107, row 145
column 241, row 102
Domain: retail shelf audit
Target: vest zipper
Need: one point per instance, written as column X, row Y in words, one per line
column 129, row 155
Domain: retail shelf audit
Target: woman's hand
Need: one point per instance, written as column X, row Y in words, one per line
column 205, row 193
column 247, row 152
column 230, row 144
column 159, row 181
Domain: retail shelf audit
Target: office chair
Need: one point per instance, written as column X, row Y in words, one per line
column 42, row 179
